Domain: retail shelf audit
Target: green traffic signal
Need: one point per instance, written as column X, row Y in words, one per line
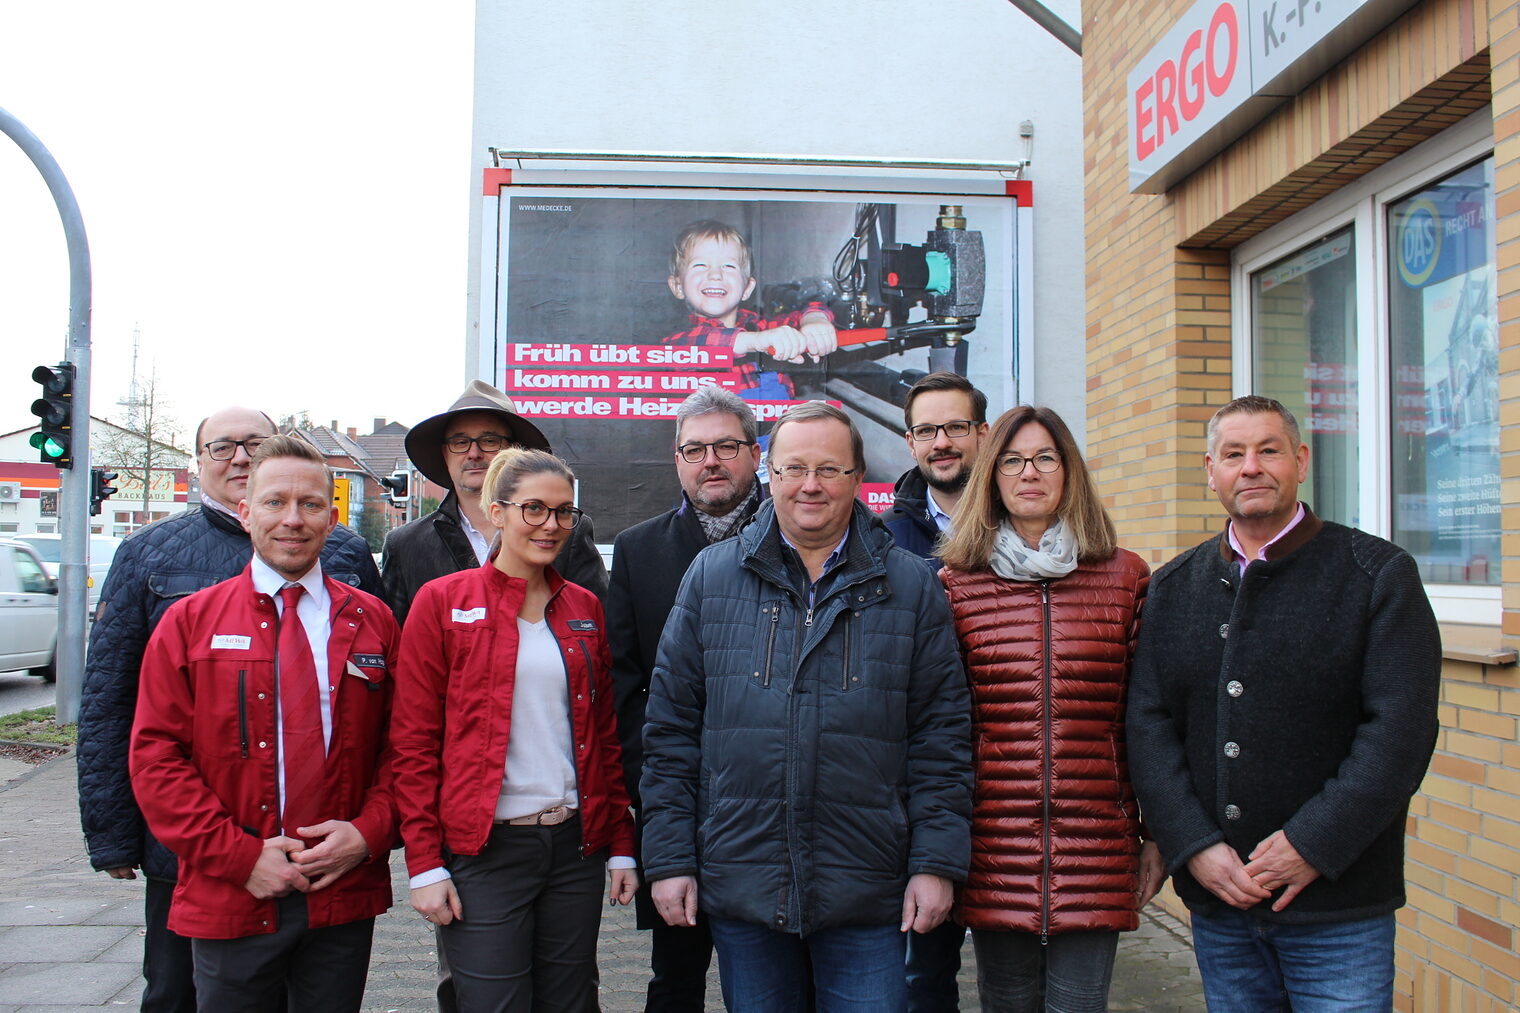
column 54, row 437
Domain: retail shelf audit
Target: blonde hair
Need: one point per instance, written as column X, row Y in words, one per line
column 282, row 445
column 981, row 512
column 512, row 465
column 707, row 228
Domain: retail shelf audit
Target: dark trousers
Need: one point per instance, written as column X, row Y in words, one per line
column 532, row 906
column 314, row 970
column 679, row 956
column 1067, row 973
column 934, row 960
column 167, row 965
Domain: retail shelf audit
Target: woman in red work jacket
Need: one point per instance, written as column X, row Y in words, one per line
column 1047, row 611
column 507, row 770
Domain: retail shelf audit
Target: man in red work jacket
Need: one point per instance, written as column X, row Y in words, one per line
column 258, row 757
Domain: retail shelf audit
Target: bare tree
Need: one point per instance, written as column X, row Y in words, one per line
column 145, row 437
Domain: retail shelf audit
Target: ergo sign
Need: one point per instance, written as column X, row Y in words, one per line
column 1196, row 75
column 1224, row 65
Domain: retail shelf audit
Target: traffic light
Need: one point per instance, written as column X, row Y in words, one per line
column 54, row 440
column 101, row 488
column 400, row 485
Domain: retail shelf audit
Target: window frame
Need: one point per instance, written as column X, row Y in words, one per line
column 1363, row 205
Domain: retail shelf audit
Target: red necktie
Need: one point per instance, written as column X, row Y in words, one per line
column 301, row 717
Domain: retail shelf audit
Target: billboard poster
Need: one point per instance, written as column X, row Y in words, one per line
column 614, row 304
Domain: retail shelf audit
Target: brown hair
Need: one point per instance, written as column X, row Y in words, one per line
column 944, row 380
column 815, row 411
column 281, row 445
column 981, row 511
column 707, row 228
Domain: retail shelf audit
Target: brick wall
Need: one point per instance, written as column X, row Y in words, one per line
column 1159, row 362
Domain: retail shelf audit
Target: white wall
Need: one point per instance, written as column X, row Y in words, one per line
column 874, row 78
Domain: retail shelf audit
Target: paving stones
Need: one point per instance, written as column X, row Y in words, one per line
column 70, row 938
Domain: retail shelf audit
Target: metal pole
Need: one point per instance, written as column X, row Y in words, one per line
column 1046, row 19
column 74, row 487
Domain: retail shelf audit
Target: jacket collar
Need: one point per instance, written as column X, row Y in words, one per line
column 1288, row 544
column 865, row 554
column 217, row 519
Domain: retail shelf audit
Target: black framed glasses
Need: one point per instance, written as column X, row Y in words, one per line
column 825, row 472
column 534, row 513
column 955, row 430
column 723, row 450
column 1013, row 465
column 226, row 450
column 489, row 443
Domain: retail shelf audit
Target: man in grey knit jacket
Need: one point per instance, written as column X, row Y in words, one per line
column 1282, row 711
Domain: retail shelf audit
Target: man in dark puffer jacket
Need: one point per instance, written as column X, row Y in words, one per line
column 154, row 568
column 807, row 771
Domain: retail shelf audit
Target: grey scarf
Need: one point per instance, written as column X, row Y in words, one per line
column 1014, row 560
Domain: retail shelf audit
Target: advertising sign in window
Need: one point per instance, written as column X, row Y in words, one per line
column 1442, row 315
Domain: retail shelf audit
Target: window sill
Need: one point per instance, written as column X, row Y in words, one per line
column 1482, row 645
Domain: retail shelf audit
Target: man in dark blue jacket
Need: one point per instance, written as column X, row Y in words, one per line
column 717, row 455
column 155, row 567
column 807, row 756
column 947, row 421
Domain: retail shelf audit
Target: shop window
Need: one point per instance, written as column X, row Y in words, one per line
column 1303, row 311
column 1444, row 343
column 1372, row 316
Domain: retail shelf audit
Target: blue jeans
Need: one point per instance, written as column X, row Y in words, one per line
column 1068, row 973
column 1253, row 966
column 856, row 968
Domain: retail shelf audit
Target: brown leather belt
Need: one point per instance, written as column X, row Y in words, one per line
column 552, row 817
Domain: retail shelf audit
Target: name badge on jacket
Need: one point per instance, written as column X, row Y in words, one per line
column 582, row 625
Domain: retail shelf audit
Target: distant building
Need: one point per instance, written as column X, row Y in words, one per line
column 359, row 463
column 29, row 489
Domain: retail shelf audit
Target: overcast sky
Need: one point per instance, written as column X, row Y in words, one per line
column 276, row 195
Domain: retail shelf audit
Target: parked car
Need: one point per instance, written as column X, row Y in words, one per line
column 28, row 611
column 102, row 551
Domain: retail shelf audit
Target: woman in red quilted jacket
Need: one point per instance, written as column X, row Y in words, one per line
column 1047, row 611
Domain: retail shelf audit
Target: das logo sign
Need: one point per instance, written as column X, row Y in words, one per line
column 1419, row 239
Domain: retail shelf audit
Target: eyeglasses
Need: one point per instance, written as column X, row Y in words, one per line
column 226, row 450
column 1013, row 465
column 955, row 430
column 723, row 450
column 535, row 513
column 489, row 443
column 825, row 472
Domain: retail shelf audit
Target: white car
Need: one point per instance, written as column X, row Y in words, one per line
column 102, row 551
column 28, row 611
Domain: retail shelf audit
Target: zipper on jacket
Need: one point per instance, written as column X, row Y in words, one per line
column 844, row 675
column 808, row 621
column 1045, row 763
column 575, row 746
column 770, row 645
column 243, row 712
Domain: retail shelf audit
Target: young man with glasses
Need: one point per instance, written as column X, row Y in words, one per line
column 158, row 565
column 717, row 454
column 454, row 449
column 809, row 718
column 947, row 421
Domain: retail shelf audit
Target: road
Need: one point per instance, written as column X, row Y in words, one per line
column 20, row 691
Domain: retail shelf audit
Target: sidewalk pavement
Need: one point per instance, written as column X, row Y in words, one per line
column 71, row 939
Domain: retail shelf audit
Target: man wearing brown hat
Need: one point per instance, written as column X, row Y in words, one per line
column 454, row 449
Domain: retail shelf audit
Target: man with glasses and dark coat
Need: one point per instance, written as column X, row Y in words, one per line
column 716, row 457
column 157, row 566
column 947, row 420
column 454, row 449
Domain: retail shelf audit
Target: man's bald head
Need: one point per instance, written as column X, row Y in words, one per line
column 225, row 480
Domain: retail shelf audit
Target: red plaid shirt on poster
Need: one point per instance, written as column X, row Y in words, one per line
column 708, row 331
